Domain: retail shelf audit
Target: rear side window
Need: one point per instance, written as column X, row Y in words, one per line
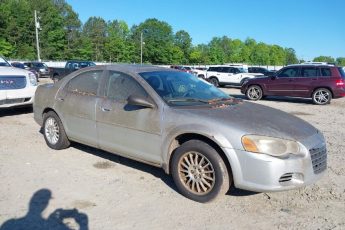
column 309, row 72
column 342, row 72
column 85, row 83
column 326, row 72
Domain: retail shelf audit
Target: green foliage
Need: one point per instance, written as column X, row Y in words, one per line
column 62, row 37
column 5, row 47
column 341, row 61
column 324, row 59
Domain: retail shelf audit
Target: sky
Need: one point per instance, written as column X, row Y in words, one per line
column 311, row 27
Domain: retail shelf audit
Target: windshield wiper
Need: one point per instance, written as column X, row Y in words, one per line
column 187, row 100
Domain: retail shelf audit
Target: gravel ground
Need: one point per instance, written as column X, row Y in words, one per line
column 98, row 190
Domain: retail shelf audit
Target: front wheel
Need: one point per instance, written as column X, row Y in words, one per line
column 54, row 132
column 322, row 96
column 199, row 172
column 254, row 93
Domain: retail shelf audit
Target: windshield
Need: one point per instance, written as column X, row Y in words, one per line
column 180, row 88
column 3, row 62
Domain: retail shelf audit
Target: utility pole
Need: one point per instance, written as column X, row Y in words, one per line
column 37, row 26
column 141, row 48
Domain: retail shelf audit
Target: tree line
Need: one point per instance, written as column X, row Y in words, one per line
column 63, row 36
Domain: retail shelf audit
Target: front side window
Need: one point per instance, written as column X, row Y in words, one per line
column 86, row 83
column 309, row 72
column 180, row 89
column 288, row 72
column 120, row 86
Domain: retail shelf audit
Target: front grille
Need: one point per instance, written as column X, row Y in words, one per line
column 319, row 158
column 285, row 178
column 12, row 82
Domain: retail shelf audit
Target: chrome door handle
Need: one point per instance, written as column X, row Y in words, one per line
column 60, row 99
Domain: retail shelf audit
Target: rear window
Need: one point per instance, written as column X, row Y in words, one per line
column 326, row 72
column 342, row 72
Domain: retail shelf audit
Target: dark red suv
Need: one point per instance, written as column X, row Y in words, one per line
column 319, row 82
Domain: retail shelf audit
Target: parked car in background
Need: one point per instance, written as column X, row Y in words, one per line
column 186, row 69
column 57, row 74
column 261, row 70
column 227, row 75
column 40, row 67
column 22, row 66
column 171, row 119
column 321, row 82
column 17, row 86
column 200, row 72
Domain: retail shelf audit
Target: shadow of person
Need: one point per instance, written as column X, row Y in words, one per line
column 34, row 220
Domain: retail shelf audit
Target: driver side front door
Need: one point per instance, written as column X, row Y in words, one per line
column 128, row 130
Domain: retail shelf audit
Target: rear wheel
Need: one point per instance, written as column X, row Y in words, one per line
column 54, row 132
column 214, row 81
column 322, row 96
column 199, row 172
column 254, row 93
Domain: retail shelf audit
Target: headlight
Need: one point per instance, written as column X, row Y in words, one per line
column 272, row 146
column 32, row 79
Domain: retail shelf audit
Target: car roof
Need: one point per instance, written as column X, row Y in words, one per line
column 311, row 65
column 135, row 68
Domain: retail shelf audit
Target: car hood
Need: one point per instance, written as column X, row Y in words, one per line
column 249, row 118
column 12, row 71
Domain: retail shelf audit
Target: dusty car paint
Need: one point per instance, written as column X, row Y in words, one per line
column 152, row 134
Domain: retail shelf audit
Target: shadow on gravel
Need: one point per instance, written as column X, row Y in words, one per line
column 56, row 220
column 239, row 192
column 4, row 112
column 157, row 172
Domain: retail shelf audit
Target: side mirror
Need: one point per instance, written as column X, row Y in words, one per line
column 140, row 101
column 273, row 77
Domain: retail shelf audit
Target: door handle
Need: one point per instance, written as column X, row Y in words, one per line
column 105, row 109
column 60, row 99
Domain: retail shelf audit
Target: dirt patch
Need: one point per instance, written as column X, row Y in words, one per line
column 103, row 165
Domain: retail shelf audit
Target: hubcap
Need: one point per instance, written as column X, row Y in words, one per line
column 196, row 173
column 254, row 93
column 52, row 131
column 321, row 96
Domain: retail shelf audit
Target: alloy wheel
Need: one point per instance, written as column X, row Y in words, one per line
column 196, row 173
column 321, row 96
column 52, row 131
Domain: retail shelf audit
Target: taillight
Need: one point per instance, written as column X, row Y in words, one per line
column 340, row 82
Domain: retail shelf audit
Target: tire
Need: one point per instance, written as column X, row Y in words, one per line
column 254, row 93
column 191, row 178
column 54, row 132
column 214, row 81
column 322, row 96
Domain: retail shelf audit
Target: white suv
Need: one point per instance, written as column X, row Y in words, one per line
column 17, row 86
column 227, row 75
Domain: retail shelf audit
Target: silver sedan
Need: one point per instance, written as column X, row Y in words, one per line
column 206, row 139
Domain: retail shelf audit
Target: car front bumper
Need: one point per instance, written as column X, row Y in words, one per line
column 264, row 173
column 18, row 97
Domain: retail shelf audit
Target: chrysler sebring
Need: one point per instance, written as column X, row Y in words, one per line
column 206, row 139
